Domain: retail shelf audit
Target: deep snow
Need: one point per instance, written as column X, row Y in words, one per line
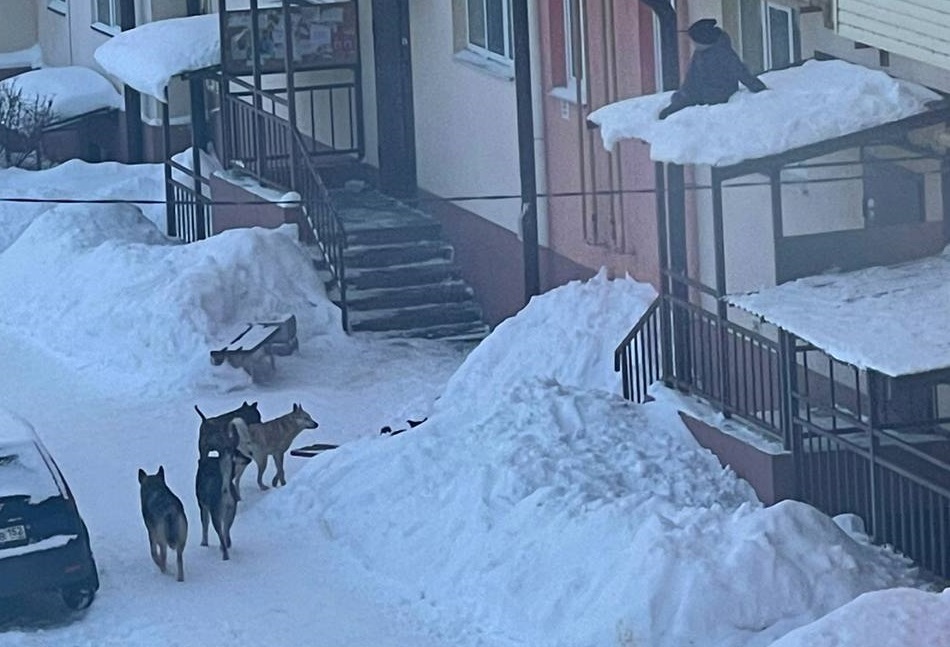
column 533, row 507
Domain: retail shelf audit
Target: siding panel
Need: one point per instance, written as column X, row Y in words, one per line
column 917, row 29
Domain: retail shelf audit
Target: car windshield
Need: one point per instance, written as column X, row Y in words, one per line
column 24, row 472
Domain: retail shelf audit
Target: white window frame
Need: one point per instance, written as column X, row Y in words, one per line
column 767, row 53
column 658, row 51
column 112, row 24
column 508, row 56
column 569, row 91
column 59, row 6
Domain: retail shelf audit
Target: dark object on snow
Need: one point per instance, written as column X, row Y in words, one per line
column 309, row 451
column 714, row 72
column 388, row 431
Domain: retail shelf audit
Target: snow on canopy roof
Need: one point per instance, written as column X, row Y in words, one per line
column 148, row 57
column 813, row 102
column 891, row 319
column 72, row 90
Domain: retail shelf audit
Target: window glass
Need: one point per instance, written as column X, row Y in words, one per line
column 106, row 12
column 780, row 37
column 489, row 27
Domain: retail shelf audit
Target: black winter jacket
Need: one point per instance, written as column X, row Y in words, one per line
column 713, row 76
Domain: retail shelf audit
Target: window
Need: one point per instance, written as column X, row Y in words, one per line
column 489, row 29
column 778, row 34
column 765, row 32
column 105, row 15
column 658, row 50
column 575, row 58
column 59, row 6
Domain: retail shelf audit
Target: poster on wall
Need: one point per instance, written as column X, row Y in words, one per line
column 324, row 36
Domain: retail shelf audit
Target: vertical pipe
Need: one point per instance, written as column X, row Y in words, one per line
column 290, row 83
column 134, row 128
column 525, row 110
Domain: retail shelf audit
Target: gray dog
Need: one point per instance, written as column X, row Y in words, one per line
column 165, row 519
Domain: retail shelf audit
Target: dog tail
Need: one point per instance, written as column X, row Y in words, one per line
column 177, row 526
column 237, row 428
column 200, row 414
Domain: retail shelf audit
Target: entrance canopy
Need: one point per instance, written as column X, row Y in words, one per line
column 814, row 102
column 891, row 319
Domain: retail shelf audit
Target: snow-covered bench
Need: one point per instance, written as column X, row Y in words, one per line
column 253, row 348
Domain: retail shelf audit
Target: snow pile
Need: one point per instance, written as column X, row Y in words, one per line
column 142, row 58
column 568, row 335
column 101, row 287
column 73, row 90
column 847, row 314
column 894, row 618
column 77, row 180
column 552, row 515
column 806, row 104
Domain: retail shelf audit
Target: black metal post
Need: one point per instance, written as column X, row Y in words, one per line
column 529, row 188
column 722, row 308
column 134, row 129
column 260, row 142
column 290, row 81
column 170, row 226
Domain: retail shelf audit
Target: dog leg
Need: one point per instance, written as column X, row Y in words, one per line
column 162, row 560
column 261, row 465
column 279, row 477
column 153, row 549
column 222, row 534
column 205, row 514
column 181, row 564
column 239, row 467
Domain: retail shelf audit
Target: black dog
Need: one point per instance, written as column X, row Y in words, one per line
column 215, row 434
column 217, row 497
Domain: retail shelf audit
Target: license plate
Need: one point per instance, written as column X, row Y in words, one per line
column 12, row 534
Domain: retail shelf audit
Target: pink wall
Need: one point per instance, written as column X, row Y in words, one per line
column 617, row 232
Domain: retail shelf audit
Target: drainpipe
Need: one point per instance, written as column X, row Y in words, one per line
column 529, row 191
column 540, row 143
column 675, row 187
column 134, row 131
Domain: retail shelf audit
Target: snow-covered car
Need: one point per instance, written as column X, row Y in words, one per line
column 44, row 543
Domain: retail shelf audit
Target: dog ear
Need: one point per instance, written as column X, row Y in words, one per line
column 161, row 472
column 141, row 475
column 296, row 406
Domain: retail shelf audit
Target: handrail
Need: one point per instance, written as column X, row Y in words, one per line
column 273, row 150
column 639, row 356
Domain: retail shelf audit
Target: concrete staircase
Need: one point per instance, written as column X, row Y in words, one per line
column 401, row 277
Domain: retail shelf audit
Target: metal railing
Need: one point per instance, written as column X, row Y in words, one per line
column 258, row 138
column 638, row 357
column 849, row 458
column 735, row 369
column 851, row 455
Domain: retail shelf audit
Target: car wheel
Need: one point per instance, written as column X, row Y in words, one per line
column 78, row 597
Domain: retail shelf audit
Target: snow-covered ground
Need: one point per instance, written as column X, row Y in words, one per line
column 533, row 507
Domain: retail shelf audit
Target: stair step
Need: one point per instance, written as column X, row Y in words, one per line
column 434, row 271
column 398, row 297
column 380, row 234
column 423, row 316
column 463, row 332
column 397, row 254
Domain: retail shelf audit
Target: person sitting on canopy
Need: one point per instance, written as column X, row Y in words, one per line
column 714, row 72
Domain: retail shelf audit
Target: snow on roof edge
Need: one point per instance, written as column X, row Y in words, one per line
column 805, row 104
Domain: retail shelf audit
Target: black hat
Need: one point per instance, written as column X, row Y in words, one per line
column 704, row 31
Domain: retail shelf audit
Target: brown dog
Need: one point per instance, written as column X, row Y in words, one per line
column 270, row 438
